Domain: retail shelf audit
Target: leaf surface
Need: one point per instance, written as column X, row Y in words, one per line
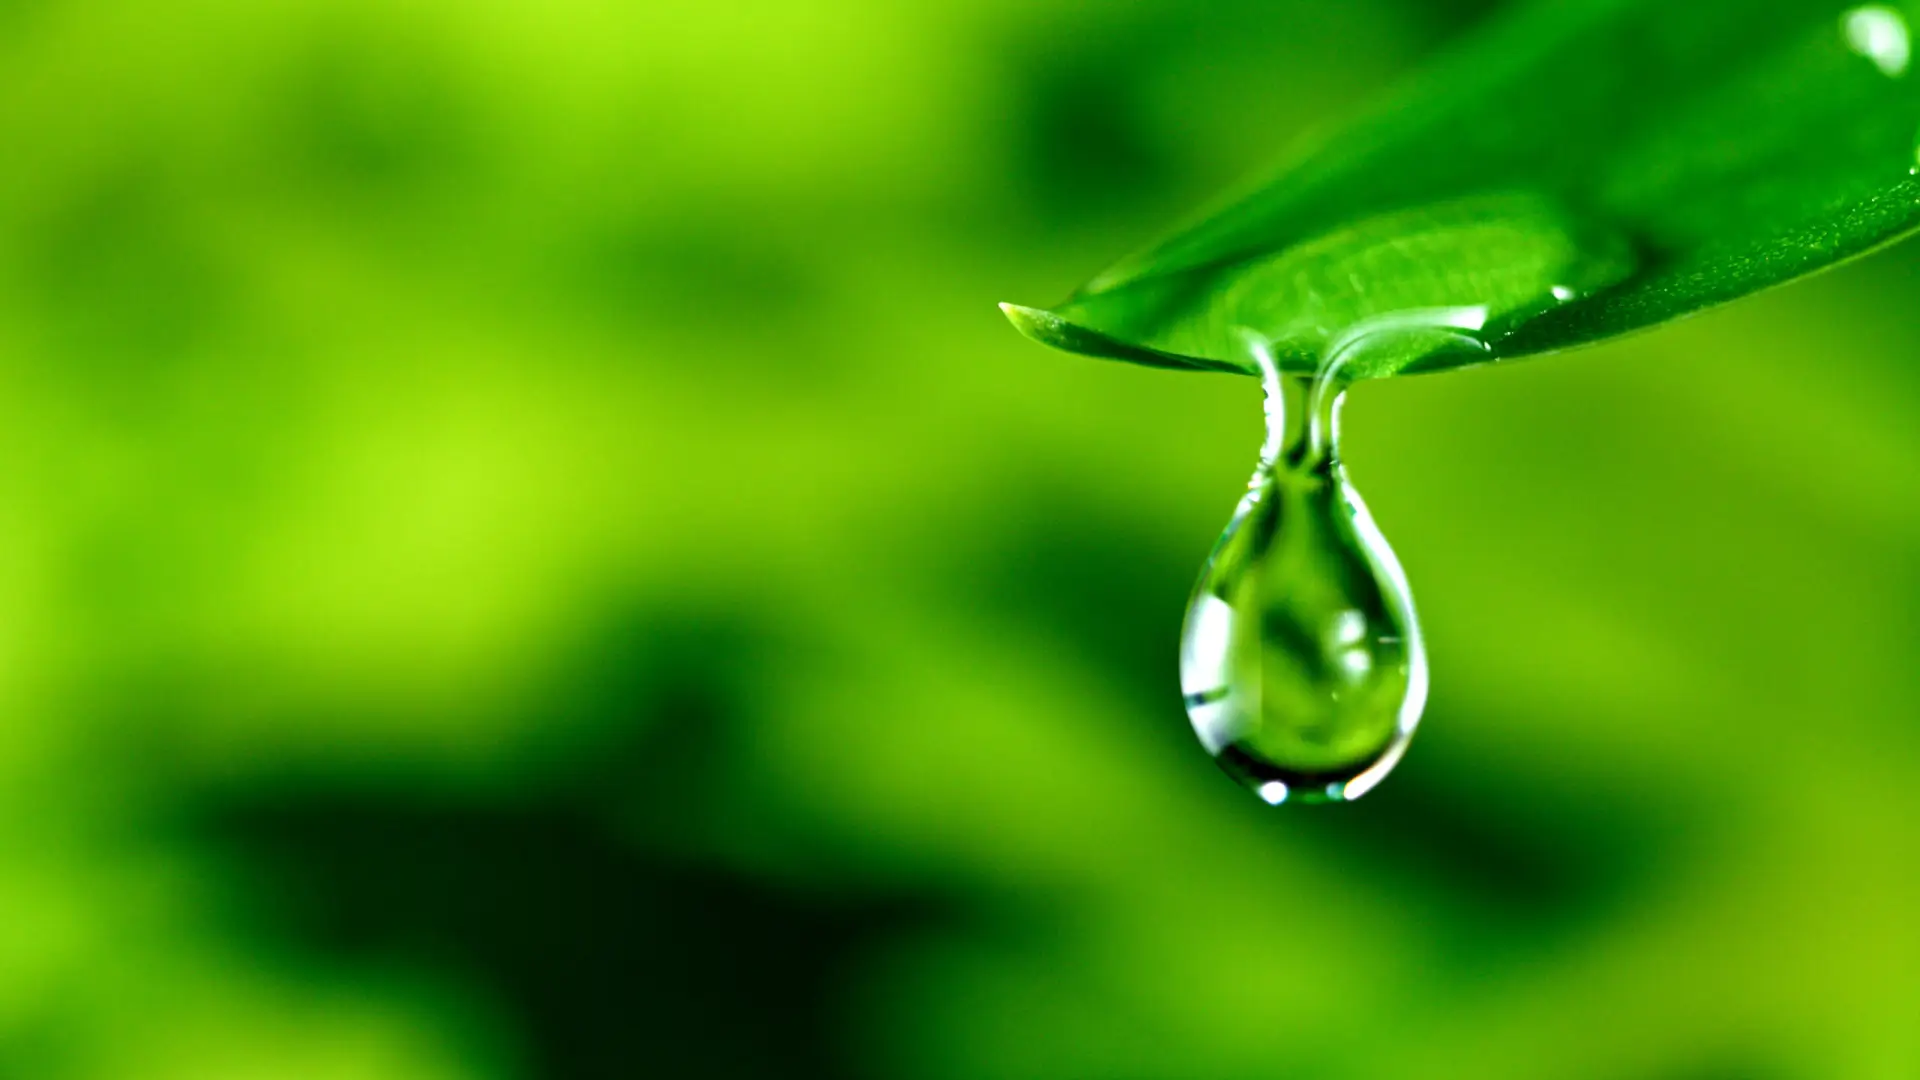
column 1578, row 170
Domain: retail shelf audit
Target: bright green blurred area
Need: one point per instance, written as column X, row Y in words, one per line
column 526, row 550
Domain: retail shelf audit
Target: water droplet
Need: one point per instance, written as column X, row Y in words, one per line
column 1301, row 660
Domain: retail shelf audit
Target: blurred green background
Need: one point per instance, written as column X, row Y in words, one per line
column 526, row 551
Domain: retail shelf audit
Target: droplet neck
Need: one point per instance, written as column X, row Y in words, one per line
column 1303, row 418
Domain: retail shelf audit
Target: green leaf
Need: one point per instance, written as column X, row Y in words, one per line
column 1580, row 169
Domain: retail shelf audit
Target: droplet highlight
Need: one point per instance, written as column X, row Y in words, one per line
column 1879, row 33
column 1301, row 660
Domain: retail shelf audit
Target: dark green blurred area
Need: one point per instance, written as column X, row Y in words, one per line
column 526, row 550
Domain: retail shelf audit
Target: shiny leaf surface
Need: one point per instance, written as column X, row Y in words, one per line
column 1578, row 170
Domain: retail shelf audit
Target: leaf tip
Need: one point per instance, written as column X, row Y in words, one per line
column 1041, row 326
column 1051, row 328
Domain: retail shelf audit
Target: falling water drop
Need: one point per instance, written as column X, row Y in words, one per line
column 1301, row 661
